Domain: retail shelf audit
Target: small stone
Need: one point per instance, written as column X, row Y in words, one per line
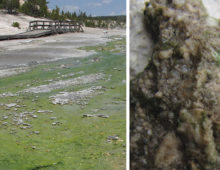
column 149, row 132
column 33, row 147
column 103, row 116
column 44, row 111
column 55, row 123
column 26, row 124
column 37, row 132
column 5, row 117
column 159, row 94
column 34, row 116
column 88, row 115
column 95, row 110
column 11, row 105
column 113, row 138
column 5, row 123
column 165, row 54
column 53, row 118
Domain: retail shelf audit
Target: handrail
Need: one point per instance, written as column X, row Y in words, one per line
column 57, row 26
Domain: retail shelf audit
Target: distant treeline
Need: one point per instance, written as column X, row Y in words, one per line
column 39, row 8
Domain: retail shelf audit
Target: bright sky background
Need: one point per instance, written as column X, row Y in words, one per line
column 93, row 7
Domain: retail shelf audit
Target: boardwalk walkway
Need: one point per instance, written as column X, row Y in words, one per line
column 44, row 28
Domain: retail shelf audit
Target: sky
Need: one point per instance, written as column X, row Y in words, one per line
column 93, row 7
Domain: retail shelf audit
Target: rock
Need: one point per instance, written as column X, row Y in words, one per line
column 56, row 123
column 26, row 124
column 53, row 118
column 44, row 111
column 36, row 132
column 168, row 152
column 95, row 110
column 183, row 71
column 103, row 116
column 113, row 138
column 34, row 116
column 88, row 115
column 11, row 105
column 5, row 123
column 99, row 115
column 165, row 54
column 5, row 117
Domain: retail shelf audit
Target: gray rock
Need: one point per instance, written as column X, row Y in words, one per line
column 34, row 116
column 114, row 138
column 5, row 123
column 103, row 116
column 5, row 117
column 44, row 111
column 11, row 105
column 88, row 115
column 56, row 123
column 36, row 132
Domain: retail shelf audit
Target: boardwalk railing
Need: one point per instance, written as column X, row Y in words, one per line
column 45, row 28
column 56, row 26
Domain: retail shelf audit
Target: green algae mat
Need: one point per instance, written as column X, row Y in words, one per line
column 69, row 114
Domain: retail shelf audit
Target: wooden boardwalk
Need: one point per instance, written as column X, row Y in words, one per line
column 44, row 28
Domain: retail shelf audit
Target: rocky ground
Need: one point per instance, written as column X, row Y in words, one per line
column 175, row 99
column 62, row 101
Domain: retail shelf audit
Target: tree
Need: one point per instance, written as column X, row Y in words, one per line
column 37, row 8
column 55, row 15
column 10, row 5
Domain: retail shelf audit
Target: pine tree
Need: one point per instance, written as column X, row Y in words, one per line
column 10, row 5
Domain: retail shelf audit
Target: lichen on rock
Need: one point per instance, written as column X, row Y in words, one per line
column 178, row 94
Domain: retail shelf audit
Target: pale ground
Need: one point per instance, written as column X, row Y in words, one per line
column 26, row 52
column 141, row 45
column 7, row 20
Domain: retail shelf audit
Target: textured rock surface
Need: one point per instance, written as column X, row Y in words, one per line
column 141, row 44
column 175, row 101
